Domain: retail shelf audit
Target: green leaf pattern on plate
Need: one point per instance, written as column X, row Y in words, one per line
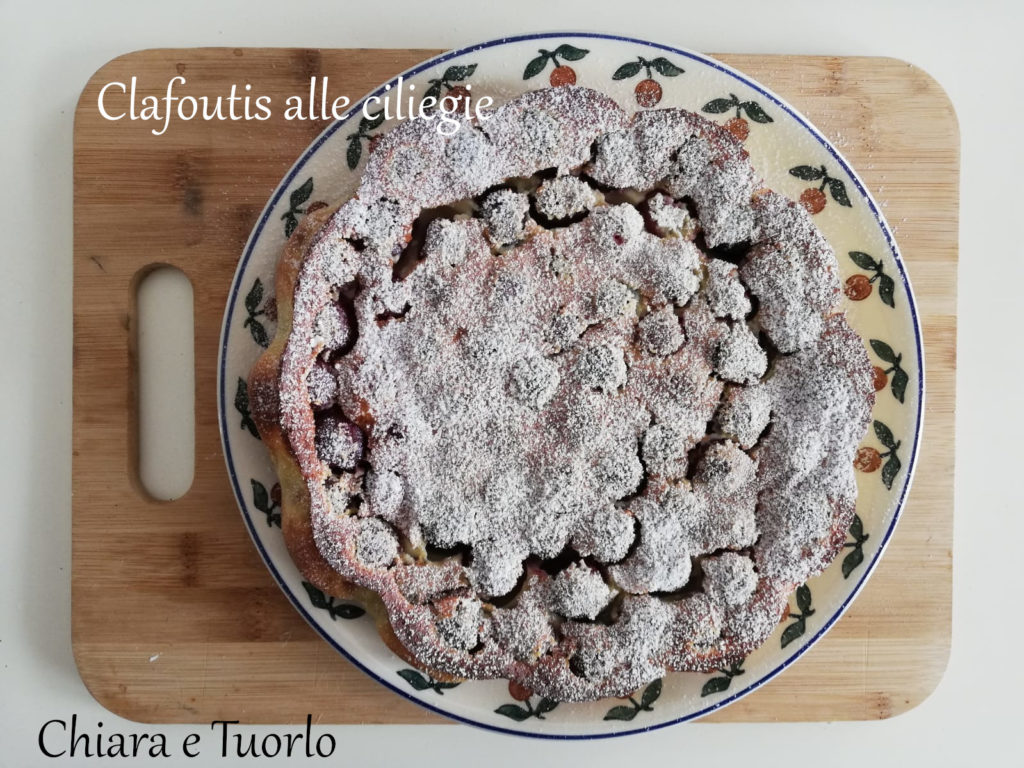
column 334, row 607
column 799, row 625
column 528, row 710
column 661, row 65
column 892, row 464
column 355, row 140
column 254, row 312
column 421, row 682
column 752, row 109
column 267, row 503
column 724, row 680
column 900, row 378
column 646, row 704
column 298, row 196
column 440, row 86
column 565, row 51
column 836, row 187
column 886, row 285
column 856, row 554
column 242, row 406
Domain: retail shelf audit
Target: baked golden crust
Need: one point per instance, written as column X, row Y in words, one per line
column 264, row 403
column 750, row 566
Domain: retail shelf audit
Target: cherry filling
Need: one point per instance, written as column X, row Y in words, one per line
column 323, row 386
column 335, row 325
column 339, row 443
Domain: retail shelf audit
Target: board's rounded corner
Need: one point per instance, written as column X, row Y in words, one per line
column 115, row 705
column 99, row 74
column 900, row 707
column 930, row 83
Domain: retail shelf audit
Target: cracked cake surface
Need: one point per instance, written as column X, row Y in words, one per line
column 565, row 398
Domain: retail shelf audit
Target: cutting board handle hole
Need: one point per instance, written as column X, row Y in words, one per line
column 165, row 358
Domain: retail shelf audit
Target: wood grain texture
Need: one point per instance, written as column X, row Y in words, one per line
column 183, row 580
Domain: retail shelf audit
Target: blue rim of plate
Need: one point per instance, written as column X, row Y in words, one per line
column 356, row 109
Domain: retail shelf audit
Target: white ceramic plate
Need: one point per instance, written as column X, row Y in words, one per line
column 793, row 157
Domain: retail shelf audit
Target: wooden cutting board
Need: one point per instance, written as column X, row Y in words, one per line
column 174, row 616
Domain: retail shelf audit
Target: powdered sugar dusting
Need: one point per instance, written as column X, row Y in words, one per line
column 529, row 402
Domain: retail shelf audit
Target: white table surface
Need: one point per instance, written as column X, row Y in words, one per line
column 49, row 50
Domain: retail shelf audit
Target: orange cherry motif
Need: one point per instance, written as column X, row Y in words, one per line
column 518, row 692
column 813, row 199
column 738, row 127
column 447, row 92
column 563, row 75
column 648, row 92
column 867, row 460
column 880, row 378
column 460, row 96
column 857, row 287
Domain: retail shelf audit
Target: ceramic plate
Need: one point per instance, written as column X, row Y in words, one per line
column 795, row 159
